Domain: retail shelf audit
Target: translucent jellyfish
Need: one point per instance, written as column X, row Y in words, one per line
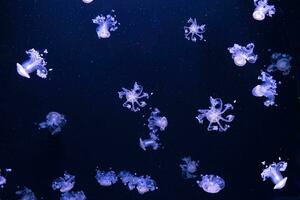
column 156, row 122
column 241, row 55
column 87, row 1
column 152, row 142
column 262, row 9
column 26, row 194
column 54, row 122
column 189, row 167
column 266, row 89
column 133, row 97
column 36, row 62
column 143, row 184
column 193, row 31
column 64, row 184
column 214, row 115
column 280, row 62
column 2, row 181
column 106, row 178
column 274, row 173
column 73, row 196
column 106, row 25
column 211, row 183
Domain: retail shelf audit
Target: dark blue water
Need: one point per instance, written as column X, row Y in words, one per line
column 149, row 47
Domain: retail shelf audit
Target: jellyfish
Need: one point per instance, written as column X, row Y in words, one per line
column 133, row 97
column 262, row 9
column 54, row 122
column 214, row 115
column 2, row 181
column 73, row 196
column 189, row 167
column 266, row 89
column 64, row 184
column 273, row 172
column 87, row 1
column 280, row 62
column 106, row 178
column 193, row 31
column 36, row 62
column 26, row 194
column 156, row 122
column 211, row 183
column 152, row 142
column 241, row 54
column 106, row 25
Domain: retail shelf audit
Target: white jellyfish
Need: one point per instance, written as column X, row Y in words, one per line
column 106, row 24
column 25, row 194
column 189, row 167
column 133, row 97
column 214, row 115
column 241, row 54
column 87, row 1
column 193, row 30
column 156, row 122
column 262, row 9
column 106, row 178
column 2, row 181
column 54, row 122
column 152, row 142
column 266, row 89
column 36, row 62
column 274, row 173
column 65, row 183
column 211, row 183
column 280, row 62
column 73, row 196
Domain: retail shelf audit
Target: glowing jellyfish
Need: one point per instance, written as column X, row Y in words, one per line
column 2, row 181
column 106, row 25
column 26, row 194
column 274, row 173
column 133, row 97
column 241, row 55
column 262, row 9
column 193, row 31
column 73, row 196
column 189, row 167
column 214, row 115
column 143, row 184
column 36, row 62
column 106, row 178
column 54, row 122
column 156, row 122
column 65, row 183
column 266, row 89
column 152, row 142
column 280, row 62
column 87, row 1
column 211, row 183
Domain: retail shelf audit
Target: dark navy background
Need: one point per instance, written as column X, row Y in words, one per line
column 149, row 47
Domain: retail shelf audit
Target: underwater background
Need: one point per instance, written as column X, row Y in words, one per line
column 149, row 47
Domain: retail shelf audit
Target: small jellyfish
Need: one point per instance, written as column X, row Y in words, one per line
column 106, row 178
column 189, row 167
column 193, row 31
column 54, row 122
column 273, row 172
column 262, row 9
column 73, row 196
column 64, row 184
column 214, row 115
column 106, row 25
column 266, row 89
column 36, row 62
column 211, row 183
column 280, row 62
column 2, row 181
column 133, row 97
column 241, row 55
column 87, row 1
column 156, row 122
column 26, row 194
column 150, row 142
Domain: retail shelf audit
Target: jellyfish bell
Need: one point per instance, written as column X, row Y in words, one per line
column 87, row 1
column 144, row 144
column 259, row 91
column 283, row 64
column 102, row 32
column 22, row 71
column 239, row 61
column 211, row 184
column 258, row 15
column 274, row 173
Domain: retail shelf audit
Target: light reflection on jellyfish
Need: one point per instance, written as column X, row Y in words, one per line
column 152, row 142
column 280, row 62
column 273, row 172
column 241, row 54
column 106, row 24
column 211, row 183
column 25, row 194
column 64, row 184
column 266, row 89
column 214, row 115
column 36, row 62
column 189, row 167
column 54, row 122
column 73, row 196
column 262, row 9
column 133, row 97
column 106, row 178
column 143, row 184
column 156, row 122
column 193, row 30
